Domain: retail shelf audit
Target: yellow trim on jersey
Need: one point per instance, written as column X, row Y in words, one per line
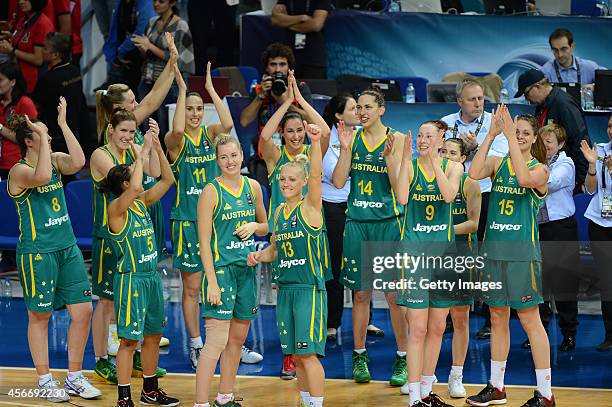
column 127, row 215
column 228, row 189
column 312, row 314
column 422, row 170
column 199, row 137
column 32, row 275
column 19, row 216
column 100, row 271
column 376, row 145
column 215, row 242
column 178, row 193
column 310, row 257
column 286, row 215
column 131, row 252
column 105, row 213
column 31, row 219
column 176, row 160
column 25, row 280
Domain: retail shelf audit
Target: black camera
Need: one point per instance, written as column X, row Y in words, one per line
column 279, row 83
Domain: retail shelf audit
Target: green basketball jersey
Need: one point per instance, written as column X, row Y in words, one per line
column 371, row 196
column 193, row 168
column 100, row 200
column 137, row 251
column 428, row 217
column 299, row 248
column 232, row 211
column 44, row 224
column 460, row 213
column 276, row 196
column 512, row 217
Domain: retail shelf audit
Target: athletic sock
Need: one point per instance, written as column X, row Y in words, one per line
column 427, row 385
column 316, row 402
column 456, row 370
column 498, row 369
column 415, row 392
column 196, row 342
column 544, row 382
column 305, row 397
column 124, row 392
column 207, row 404
column 359, row 351
column 149, row 383
column 42, row 379
column 73, row 375
column 401, row 354
column 225, row 398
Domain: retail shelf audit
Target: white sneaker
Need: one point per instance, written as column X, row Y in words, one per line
column 194, row 355
column 455, row 386
column 81, row 387
column 405, row 389
column 249, row 356
column 113, row 340
column 51, row 391
column 164, row 342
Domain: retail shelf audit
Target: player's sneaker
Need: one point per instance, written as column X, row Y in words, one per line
column 113, row 341
column 399, row 375
column 455, row 385
column 539, row 401
column 194, row 355
column 52, row 392
column 81, row 387
column 434, row 400
column 106, row 371
column 125, row 403
column 163, row 342
column 137, row 367
column 361, row 373
column 249, row 356
column 233, row 403
column 157, row 398
column 488, row 396
column 288, row 370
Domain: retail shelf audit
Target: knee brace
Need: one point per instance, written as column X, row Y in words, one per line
column 217, row 334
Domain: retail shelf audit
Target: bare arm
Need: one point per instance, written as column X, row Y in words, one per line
column 34, row 58
column 448, row 184
column 343, row 166
column 226, row 123
column 206, row 207
column 23, row 176
column 72, row 162
column 313, row 204
column 311, row 113
column 404, row 177
column 174, row 138
column 167, row 177
column 591, row 155
column 152, row 166
column 394, row 147
column 269, row 152
column 250, row 112
column 482, row 166
column 118, row 207
column 473, row 202
column 260, row 209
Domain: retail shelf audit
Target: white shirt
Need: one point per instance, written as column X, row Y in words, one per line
column 499, row 147
column 560, row 202
column 593, row 212
column 330, row 192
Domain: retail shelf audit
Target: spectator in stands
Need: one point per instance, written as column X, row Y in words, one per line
column 222, row 15
column 15, row 13
column 124, row 60
column 560, row 260
column 555, row 106
column 62, row 79
column 13, row 101
column 599, row 213
column 277, row 59
column 565, row 67
column 305, row 21
column 103, row 10
column 155, row 53
column 27, row 42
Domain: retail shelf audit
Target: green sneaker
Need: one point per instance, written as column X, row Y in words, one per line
column 232, row 403
column 106, row 371
column 137, row 367
column 361, row 374
column 399, row 375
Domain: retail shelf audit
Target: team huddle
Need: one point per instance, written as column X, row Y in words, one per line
column 429, row 203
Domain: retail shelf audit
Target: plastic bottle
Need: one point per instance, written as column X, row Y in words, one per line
column 504, row 96
column 410, row 95
column 394, row 6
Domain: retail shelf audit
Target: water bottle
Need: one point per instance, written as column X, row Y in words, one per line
column 6, row 293
column 410, row 96
column 504, row 96
column 587, row 98
column 252, row 87
column 394, row 7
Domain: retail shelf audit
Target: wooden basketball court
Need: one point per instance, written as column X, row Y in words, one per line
column 271, row 391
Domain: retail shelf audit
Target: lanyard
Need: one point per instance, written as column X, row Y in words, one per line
column 455, row 129
column 559, row 73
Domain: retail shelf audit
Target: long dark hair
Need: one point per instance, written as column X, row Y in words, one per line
column 113, row 183
column 337, row 104
column 12, row 72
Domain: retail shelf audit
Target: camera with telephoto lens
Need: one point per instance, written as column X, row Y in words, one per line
column 279, row 83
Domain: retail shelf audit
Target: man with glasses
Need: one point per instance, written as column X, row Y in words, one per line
column 565, row 67
column 555, row 106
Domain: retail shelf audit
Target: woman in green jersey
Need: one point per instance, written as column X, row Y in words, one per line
column 513, row 268
column 121, row 131
column 427, row 185
column 466, row 212
column 373, row 215
column 191, row 151
column 230, row 212
column 139, row 300
column 301, row 310
column 49, row 263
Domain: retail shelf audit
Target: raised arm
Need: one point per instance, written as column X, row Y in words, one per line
column 343, row 166
column 269, row 152
column 118, row 207
column 153, row 100
column 482, row 166
column 394, row 147
column 151, row 162
column 206, row 207
column 314, row 203
column 404, row 177
column 72, row 162
column 591, row 155
column 174, row 138
column 311, row 113
column 23, row 176
column 226, row 123
column 448, row 182
column 167, row 177
column 473, row 202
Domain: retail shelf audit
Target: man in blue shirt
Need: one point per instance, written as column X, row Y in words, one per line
column 565, row 67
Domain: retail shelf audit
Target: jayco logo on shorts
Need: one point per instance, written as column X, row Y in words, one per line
column 224, row 312
column 429, row 228
column 504, row 226
column 44, row 304
column 291, row 263
column 135, row 332
column 367, row 204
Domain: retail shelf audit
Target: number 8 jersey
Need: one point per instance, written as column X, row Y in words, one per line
column 371, row 197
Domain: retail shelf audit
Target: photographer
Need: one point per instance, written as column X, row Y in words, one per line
column 267, row 96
